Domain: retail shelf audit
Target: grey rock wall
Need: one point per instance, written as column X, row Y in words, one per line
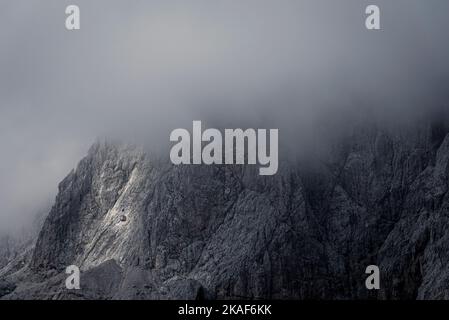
column 143, row 229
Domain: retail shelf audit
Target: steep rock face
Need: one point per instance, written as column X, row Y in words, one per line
column 420, row 237
column 84, row 226
column 142, row 229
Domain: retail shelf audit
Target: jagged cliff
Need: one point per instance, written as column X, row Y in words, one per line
column 140, row 228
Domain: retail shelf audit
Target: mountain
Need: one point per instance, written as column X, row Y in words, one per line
column 144, row 229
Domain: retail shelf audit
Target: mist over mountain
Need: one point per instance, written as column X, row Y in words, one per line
column 85, row 178
column 137, row 71
column 140, row 228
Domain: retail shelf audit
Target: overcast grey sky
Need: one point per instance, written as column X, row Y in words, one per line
column 139, row 69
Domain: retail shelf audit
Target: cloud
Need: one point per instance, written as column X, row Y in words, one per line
column 139, row 69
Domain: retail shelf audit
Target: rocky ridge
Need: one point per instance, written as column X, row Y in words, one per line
column 143, row 229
